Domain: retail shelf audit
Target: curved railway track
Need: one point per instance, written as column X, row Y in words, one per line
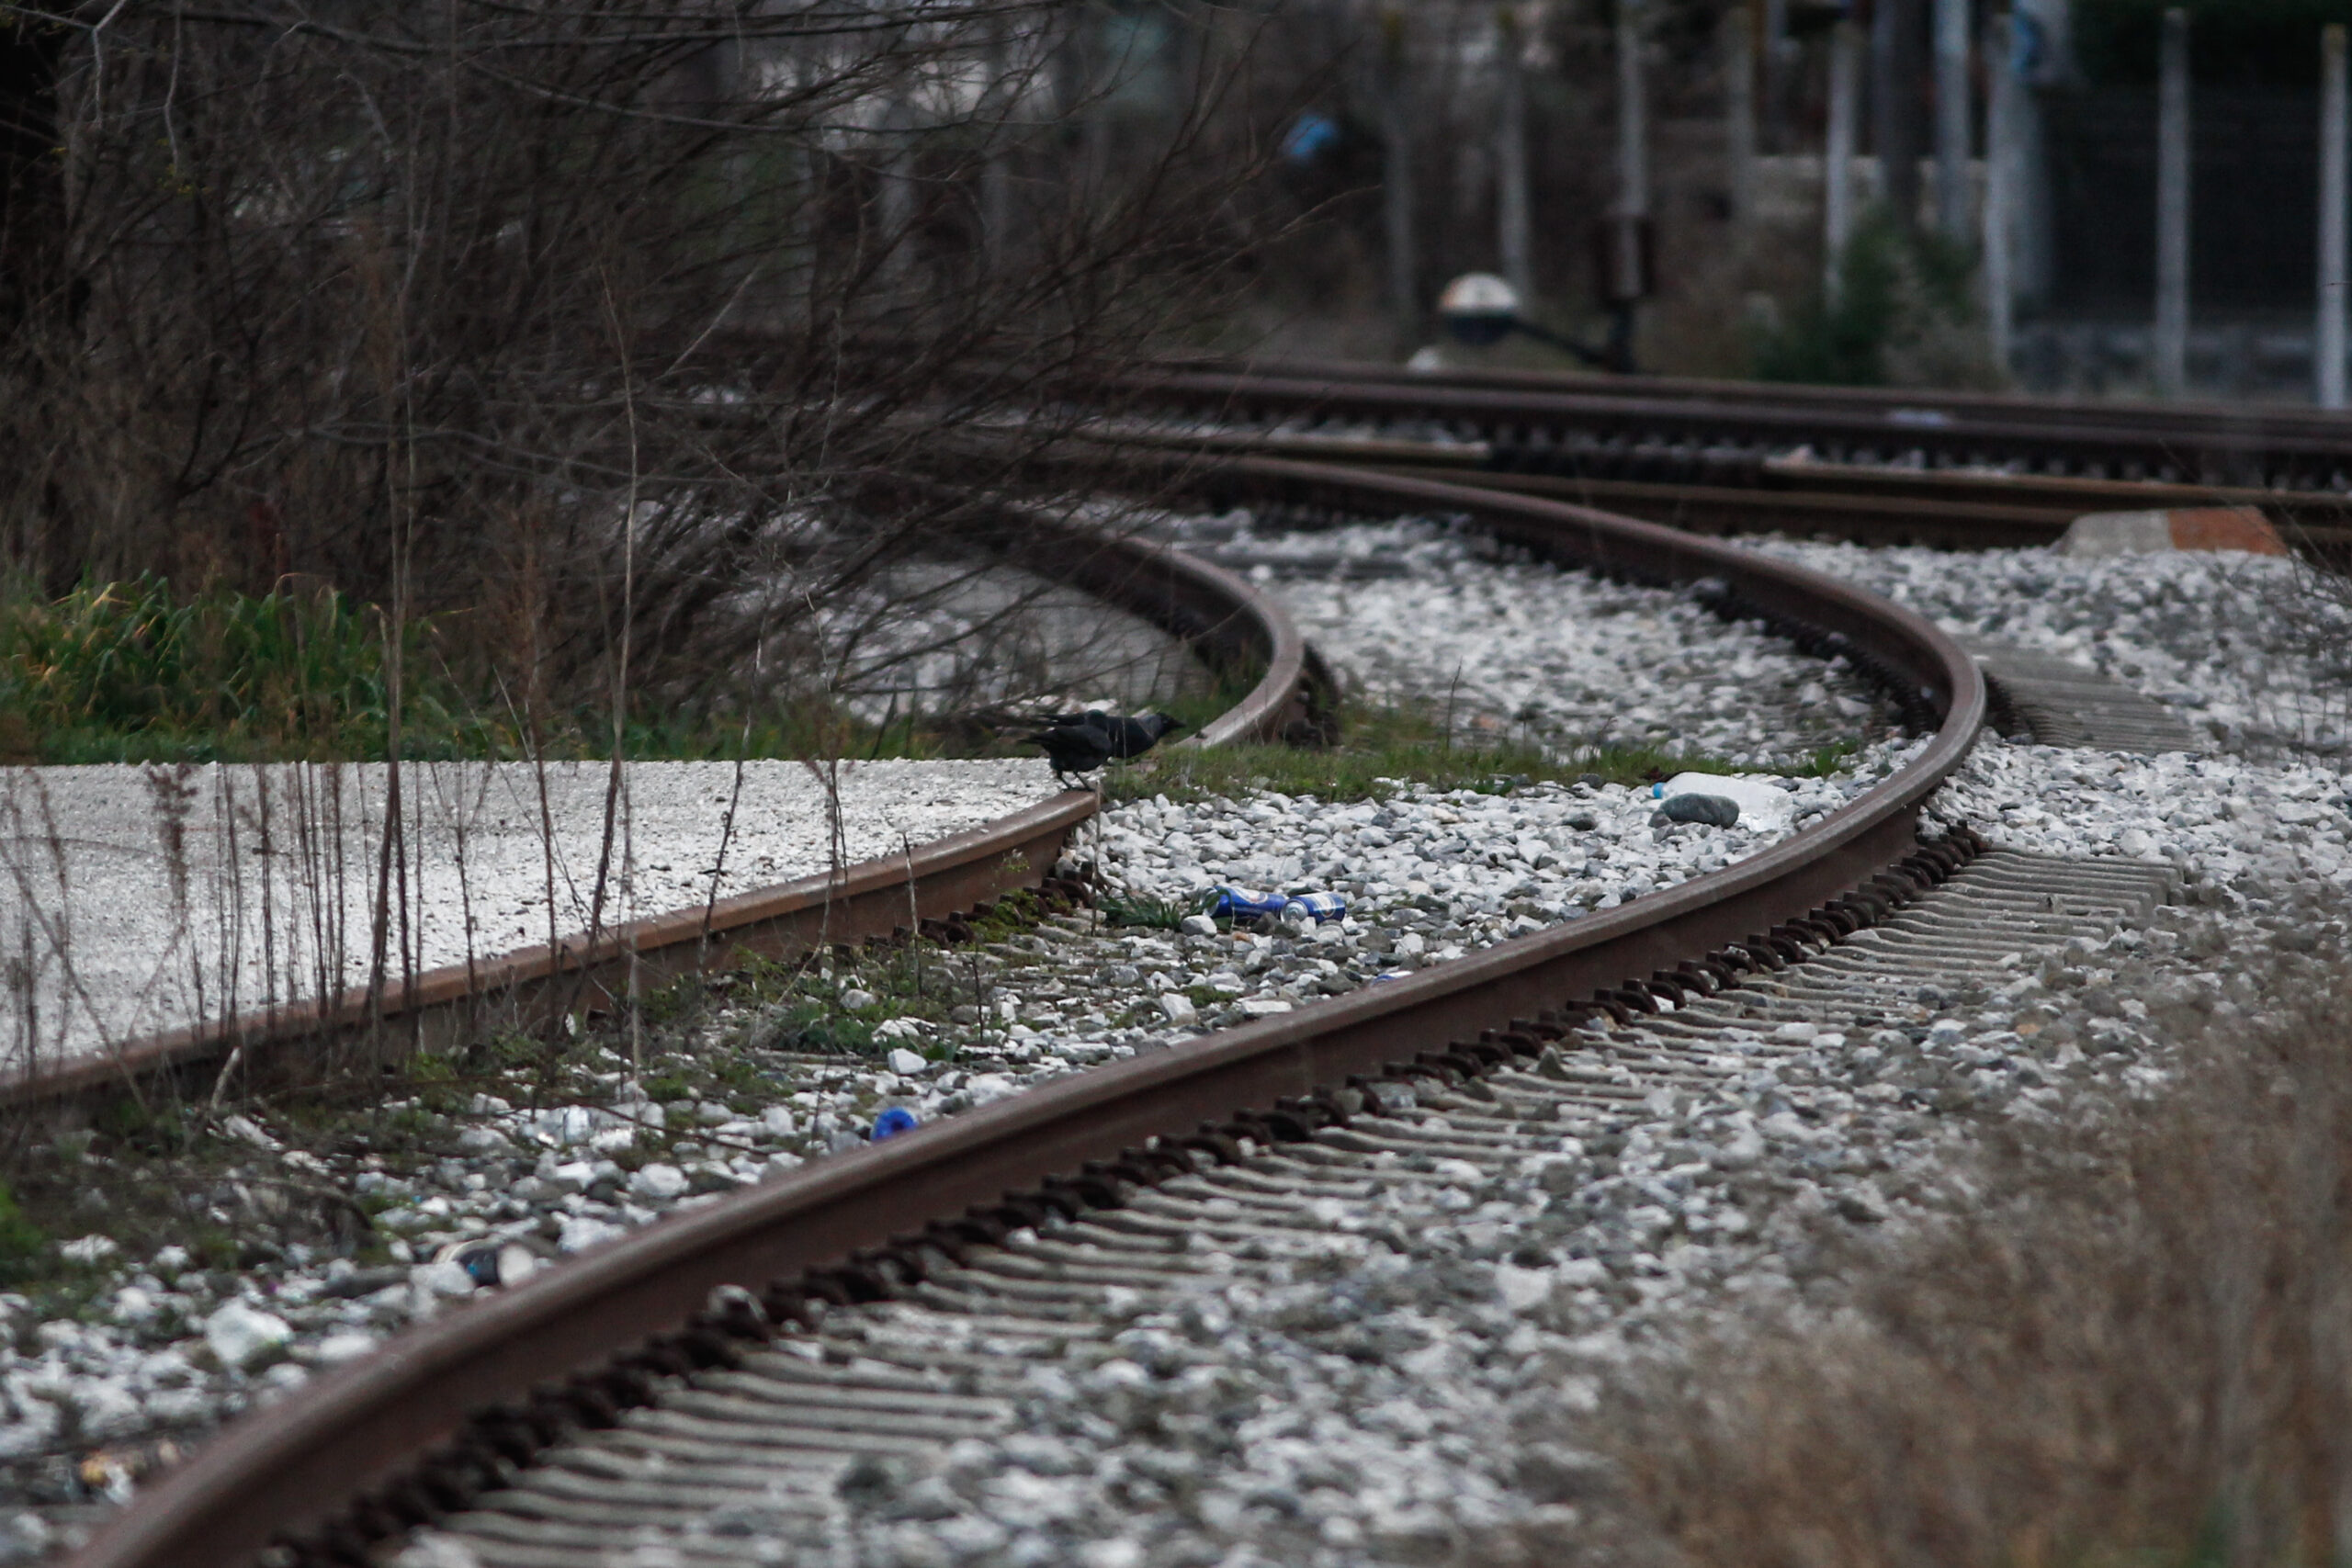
column 1881, row 466
column 503, row 1401
column 1235, row 628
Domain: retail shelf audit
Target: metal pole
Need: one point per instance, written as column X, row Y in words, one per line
column 2000, row 184
column 1629, row 282
column 1737, row 32
column 1837, row 159
column 2171, row 347
column 1632, row 115
column 1396, row 176
column 2328, row 341
column 1951, row 117
column 1511, row 242
column 1898, row 118
column 1778, row 48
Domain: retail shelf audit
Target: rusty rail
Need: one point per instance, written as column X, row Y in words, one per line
column 302, row 1461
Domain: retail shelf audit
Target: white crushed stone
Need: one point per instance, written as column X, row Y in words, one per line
column 1419, row 610
column 1541, row 853
column 2244, row 648
column 1377, row 1407
column 269, row 896
column 1412, row 1387
column 2240, row 645
column 1417, row 1383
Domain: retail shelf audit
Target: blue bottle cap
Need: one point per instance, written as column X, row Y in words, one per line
column 893, row 1121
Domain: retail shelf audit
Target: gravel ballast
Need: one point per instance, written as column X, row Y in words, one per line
column 1418, row 1385
column 1426, row 1445
column 1426, row 612
column 2245, row 648
column 1415, row 1387
column 169, row 1347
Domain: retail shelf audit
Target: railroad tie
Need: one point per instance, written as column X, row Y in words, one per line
column 2060, row 703
column 757, row 1462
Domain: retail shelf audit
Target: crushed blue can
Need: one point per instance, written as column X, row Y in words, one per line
column 1240, row 904
column 893, row 1121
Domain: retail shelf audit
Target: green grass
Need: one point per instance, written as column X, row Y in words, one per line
column 127, row 671
column 1137, row 910
column 1386, row 748
column 122, row 671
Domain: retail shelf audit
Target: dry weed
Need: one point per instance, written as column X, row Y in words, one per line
column 2136, row 1347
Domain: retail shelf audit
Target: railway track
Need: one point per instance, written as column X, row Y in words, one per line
column 472, row 1406
column 1236, row 629
column 1955, row 470
column 719, row 1387
column 969, row 1333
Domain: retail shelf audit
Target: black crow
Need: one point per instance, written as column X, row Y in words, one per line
column 1129, row 737
column 1074, row 748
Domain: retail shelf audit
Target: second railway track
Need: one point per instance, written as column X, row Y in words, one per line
column 1966, row 471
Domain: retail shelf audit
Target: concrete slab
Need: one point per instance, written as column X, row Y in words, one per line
column 2180, row 528
column 136, row 899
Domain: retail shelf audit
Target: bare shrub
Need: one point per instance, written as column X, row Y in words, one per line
column 2137, row 1346
column 572, row 319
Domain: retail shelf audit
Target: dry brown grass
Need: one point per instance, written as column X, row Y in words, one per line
column 2135, row 1348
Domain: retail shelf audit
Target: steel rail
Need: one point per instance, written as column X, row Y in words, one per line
column 1717, row 434
column 1232, row 625
column 305, row 1458
column 1931, row 509
column 1896, row 405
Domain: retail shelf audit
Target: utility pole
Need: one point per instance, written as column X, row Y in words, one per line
column 1737, row 32
column 1511, row 240
column 1628, row 241
column 1897, row 61
column 1838, row 158
column 2327, row 341
column 1632, row 115
column 1951, row 117
column 1778, row 49
column 2171, row 346
column 1397, row 176
column 2000, row 184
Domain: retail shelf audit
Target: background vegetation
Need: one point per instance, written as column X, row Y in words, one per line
column 628, row 347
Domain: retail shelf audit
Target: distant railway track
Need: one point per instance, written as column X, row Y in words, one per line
column 497, row 1404
column 1880, row 466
